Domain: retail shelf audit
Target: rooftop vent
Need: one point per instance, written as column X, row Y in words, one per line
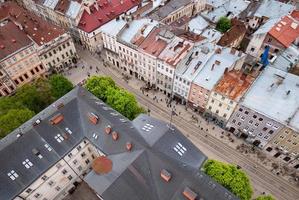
column 129, row 146
column 165, row 175
column 37, row 153
column 93, row 118
column 115, row 135
column 102, row 165
column 56, row 119
column 189, row 194
column 108, row 129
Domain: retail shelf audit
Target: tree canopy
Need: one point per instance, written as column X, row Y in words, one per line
column 229, row 176
column 265, row 197
column 59, row 85
column 98, row 86
column 223, row 24
column 13, row 119
column 122, row 101
column 29, row 100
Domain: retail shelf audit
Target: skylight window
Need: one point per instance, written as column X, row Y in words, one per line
column 68, row 130
column 27, row 163
column 147, row 127
column 180, row 149
column 48, row 147
column 59, row 138
column 13, row 175
column 95, row 136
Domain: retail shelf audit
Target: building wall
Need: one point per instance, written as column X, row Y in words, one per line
column 177, row 14
column 181, row 87
column 220, row 106
column 254, row 125
column 275, row 46
column 255, row 45
column 198, row 96
column 56, row 181
column 22, row 67
column 165, row 76
column 7, row 85
column 59, row 54
column 286, row 141
column 92, row 41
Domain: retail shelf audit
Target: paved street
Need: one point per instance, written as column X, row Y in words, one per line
column 208, row 141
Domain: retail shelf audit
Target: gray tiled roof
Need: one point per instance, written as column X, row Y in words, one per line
column 163, row 11
column 135, row 174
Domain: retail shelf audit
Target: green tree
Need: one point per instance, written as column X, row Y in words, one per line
column 13, row 119
column 223, row 24
column 98, row 86
column 59, row 85
column 123, row 102
column 229, row 176
column 29, row 96
column 45, row 90
column 7, row 103
column 265, row 197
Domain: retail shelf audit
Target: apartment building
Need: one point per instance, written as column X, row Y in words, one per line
column 65, row 14
column 96, row 15
column 227, row 93
column 169, row 59
column 79, row 138
column 269, row 106
column 19, row 62
column 54, row 46
column 170, row 11
column 210, row 66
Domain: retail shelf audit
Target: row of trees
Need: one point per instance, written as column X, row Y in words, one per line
column 232, row 178
column 29, row 100
column 119, row 99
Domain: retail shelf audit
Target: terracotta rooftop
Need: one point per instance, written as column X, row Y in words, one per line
column 286, row 31
column 238, row 30
column 234, row 84
column 37, row 28
column 152, row 44
column 62, row 6
column 104, row 11
column 12, row 39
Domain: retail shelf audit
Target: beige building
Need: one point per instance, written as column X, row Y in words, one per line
column 285, row 145
column 20, row 63
column 170, row 11
column 227, row 93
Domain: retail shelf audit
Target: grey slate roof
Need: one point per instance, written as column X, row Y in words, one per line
column 135, row 175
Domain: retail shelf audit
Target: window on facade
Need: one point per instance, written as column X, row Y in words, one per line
column 271, row 131
column 210, row 107
column 45, row 56
column 220, row 104
column 59, row 48
column 217, row 111
column 37, row 195
column 224, row 115
column 80, row 168
column 64, row 171
column 256, row 124
column 260, row 119
column 50, row 183
column 57, row 188
column 29, row 190
column 83, row 154
column 50, row 54
column 70, row 177
column 265, row 128
column 87, row 161
column 239, row 123
column 246, row 112
column 254, row 116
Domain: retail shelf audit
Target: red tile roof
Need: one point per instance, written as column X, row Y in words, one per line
column 104, row 11
column 37, row 28
column 152, row 44
column 286, row 30
column 12, row 39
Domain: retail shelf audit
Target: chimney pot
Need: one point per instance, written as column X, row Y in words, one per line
column 129, row 146
column 108, row 129
column 115, row 135
column 189, row 194
column 56, row 119
column 165, row 175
